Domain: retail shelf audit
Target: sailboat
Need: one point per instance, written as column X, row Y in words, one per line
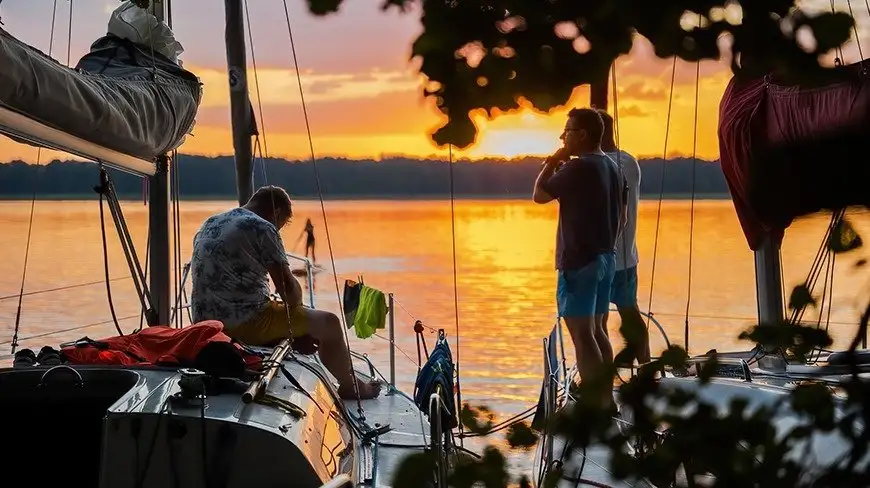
column 770, row 134
column 208, row 411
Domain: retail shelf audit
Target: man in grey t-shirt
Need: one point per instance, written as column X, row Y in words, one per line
column 234, row 255
column 590, row 192
column 623, row 291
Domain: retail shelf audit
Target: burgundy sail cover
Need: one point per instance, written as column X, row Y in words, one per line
column 788, row 151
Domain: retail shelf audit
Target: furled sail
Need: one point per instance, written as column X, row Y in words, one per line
column 121, row 96
column 788, row 151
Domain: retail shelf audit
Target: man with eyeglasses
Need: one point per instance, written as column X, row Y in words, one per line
column 591, row 195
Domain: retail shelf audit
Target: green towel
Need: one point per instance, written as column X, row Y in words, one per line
column 371, row 313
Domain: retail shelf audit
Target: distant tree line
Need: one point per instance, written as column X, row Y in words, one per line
column 204, row 177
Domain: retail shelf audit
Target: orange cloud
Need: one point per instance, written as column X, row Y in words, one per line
column 382, row 112
column 632, row 111
column 280, row 87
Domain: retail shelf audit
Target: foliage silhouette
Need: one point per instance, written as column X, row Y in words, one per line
column 487, row 55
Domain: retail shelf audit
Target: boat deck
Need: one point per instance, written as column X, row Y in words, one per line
column 408, row 432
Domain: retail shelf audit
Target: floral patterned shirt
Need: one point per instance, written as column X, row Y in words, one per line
column 232, row 253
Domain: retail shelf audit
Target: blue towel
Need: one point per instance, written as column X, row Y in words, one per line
column 438, row 370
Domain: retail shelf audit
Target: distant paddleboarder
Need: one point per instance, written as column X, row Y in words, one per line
column 308, row 232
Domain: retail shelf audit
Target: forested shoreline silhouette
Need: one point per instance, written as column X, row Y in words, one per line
column 394, row 177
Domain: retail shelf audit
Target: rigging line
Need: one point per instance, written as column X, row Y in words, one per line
column 17, row 326
column 838, row 59
column 62, row 288
column 626, row 195
column 70, row 329
column 855, row 28
column 147, row 255
column 427, row 327
column 341, row 316
column 867, row 4
column 173, row 215
column 177, row 172
column 258, row 149
column 692, row 209
column 818, row 262
column 404, row 353
column 106, row 259
column 661, row 190
column 176, row 220
column 455, row 282
column 825, row 304
column 263, row 150
column 256, row 85
column 69, row 34
column 782, row 285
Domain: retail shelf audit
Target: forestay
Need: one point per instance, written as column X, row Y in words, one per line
column 788, row 151
column 121, row 96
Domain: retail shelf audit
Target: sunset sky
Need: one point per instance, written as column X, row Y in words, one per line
column 362, row 93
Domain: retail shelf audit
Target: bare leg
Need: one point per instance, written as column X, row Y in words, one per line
column 604, row 324
column 326, row 328
column 631, row 317
column 582, row 330
column 603, row 339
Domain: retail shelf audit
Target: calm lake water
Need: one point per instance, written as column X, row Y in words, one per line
column 505, row 277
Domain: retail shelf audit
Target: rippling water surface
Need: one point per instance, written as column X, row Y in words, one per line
column 504, row 275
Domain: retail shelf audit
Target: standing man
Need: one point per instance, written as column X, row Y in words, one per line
column 591, row 213
column 623, row 292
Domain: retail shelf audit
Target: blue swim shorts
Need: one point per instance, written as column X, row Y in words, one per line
column 623, row 291
column 585, row 292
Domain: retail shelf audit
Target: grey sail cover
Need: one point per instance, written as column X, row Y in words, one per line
column 120, row 96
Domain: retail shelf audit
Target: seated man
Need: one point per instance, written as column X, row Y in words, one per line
column 234, row 254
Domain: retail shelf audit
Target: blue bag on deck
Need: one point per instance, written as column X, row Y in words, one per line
column 438, row 370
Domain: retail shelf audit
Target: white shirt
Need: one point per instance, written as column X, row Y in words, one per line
column 626, row 244
column 232, row 253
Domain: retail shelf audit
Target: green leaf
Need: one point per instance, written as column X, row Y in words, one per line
column 844, row 238
column 674, row 356
column 524, row 481
column 708, row 369
column 625, row 357
column 797, row 339
column 521, row 435
column 830, row 29
column 471, row 418
column 323, row 7
column 800, row 298
column 414, row 470
column 816, row 401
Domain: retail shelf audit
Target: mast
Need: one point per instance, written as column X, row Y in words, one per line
column 768, row 281
column 160, row 281
column 240, row 106
column 598, row 92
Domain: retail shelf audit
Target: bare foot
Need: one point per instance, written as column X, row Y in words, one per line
column 367, row 390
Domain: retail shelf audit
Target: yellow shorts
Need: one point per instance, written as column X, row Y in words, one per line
column 272, row 325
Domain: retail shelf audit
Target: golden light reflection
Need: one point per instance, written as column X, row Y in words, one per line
column 513, row 238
